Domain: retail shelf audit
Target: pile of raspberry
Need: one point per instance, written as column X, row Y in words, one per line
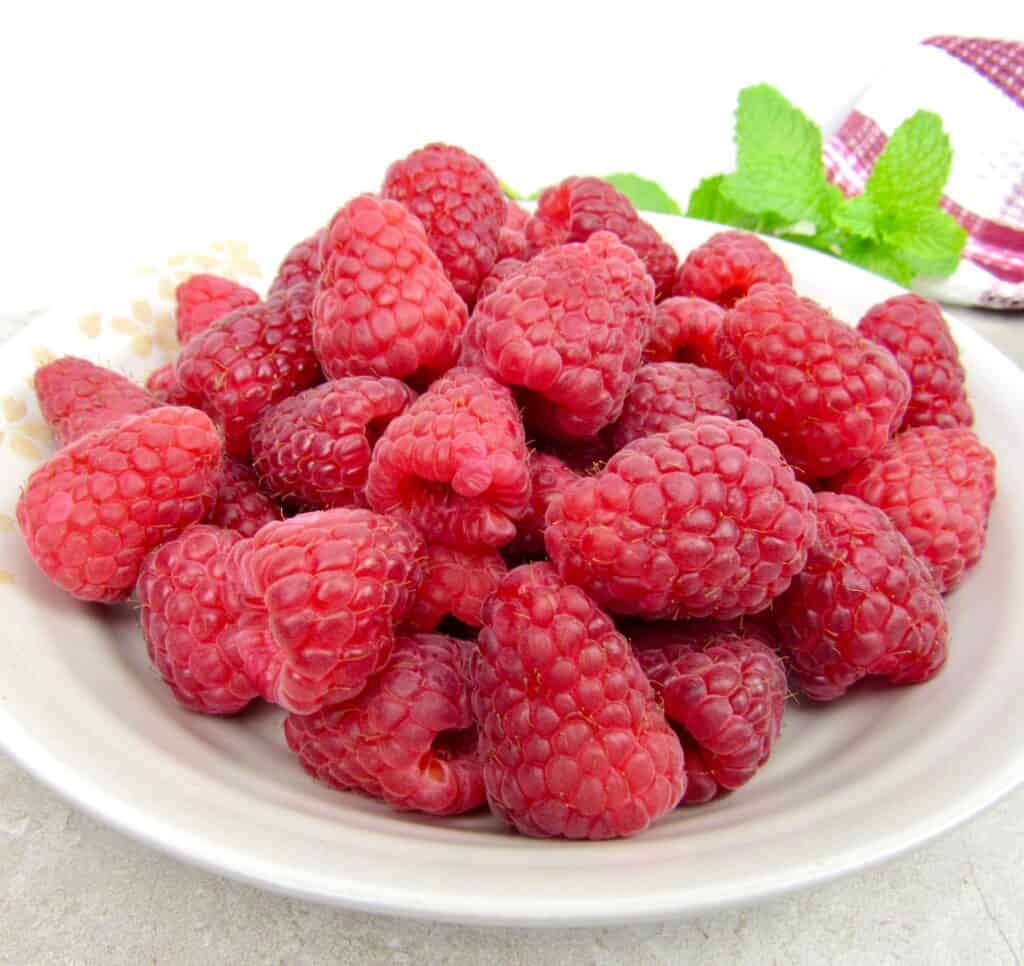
column 520, row 511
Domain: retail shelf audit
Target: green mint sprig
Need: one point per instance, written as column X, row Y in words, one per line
column 895, row 228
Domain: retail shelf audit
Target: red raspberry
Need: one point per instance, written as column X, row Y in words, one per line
column 320, row 595
column 549, row 479
column 408, row 738
column 827, row 396
column 705, row 521
column 313, row 450
column 572, row 739
column 203, row 299
column 461, row 206
column 686, row 330
column 92, row 512
column 162, row 384
column 512, row 241
column 506, row 268
column 384, row 306
column 573, row 210
column 249, row 360
column 516, row 216
column 77, row 397
column 455, row 463
column 302, row 264
column 569, row 330
column 511, row 245
column 240, row 504
column 864, row 606
column 184, row 615
column 456, row 583
column 666, row 394
column 724, row 689
column 914, row 331
column 725, row 268
column 937, row 487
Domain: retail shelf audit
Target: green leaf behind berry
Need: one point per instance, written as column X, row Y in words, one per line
column 913, row 167
column 778, row 160
column 645, row 194
column 708, row 203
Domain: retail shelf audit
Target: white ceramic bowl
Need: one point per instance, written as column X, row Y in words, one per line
column 848, row 785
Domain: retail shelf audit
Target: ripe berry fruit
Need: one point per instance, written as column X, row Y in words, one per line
column 572, row 739
column 92, row 512
column 864, row 606
column 724, row 690
column 937, row 487
column 707, row 520
column 826, row 395
column 407, row 738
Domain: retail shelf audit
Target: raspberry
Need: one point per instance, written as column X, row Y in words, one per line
column 724, row 688
column 320, row 595
column 203, row 299
column 549, row 478
column 725, row 268
column 239, row 504
column 461, row 206
column 826, row 395
column 864, row 606
column 456, row 583
column 686, row 330
column 705, row 521
column 185, row 614
column 77, row 397
column 512, row 241
column 937, row 487
column 302, row 264
column 666, row 394
column 408, row 738
column 914, row 331
column 162, row 384
column 455, row 463
column 249, row 360
column 92, row 512
column 569, row 331
column 573, row 210
column 501, row 270
column 384, row 306
column 572, row 739
column 516, row 216
column 511, row 245
column 313, row 450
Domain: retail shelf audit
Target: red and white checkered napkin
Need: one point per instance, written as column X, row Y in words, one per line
column 977, row 88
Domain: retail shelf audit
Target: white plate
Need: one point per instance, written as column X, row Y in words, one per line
column 848, row 785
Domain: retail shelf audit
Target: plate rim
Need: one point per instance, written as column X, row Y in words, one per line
column 189, row 845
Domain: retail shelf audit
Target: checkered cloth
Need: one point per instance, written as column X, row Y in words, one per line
column 977, row 88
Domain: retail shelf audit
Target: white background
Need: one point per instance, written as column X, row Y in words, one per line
column 126, row 129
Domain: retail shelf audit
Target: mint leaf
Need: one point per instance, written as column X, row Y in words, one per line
column 930, row 240
column 645, row 194
column 708, row 203
column 913, row 167
column 510, row 192
column 857, row 216
column 778, row 160
column 877, row 258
